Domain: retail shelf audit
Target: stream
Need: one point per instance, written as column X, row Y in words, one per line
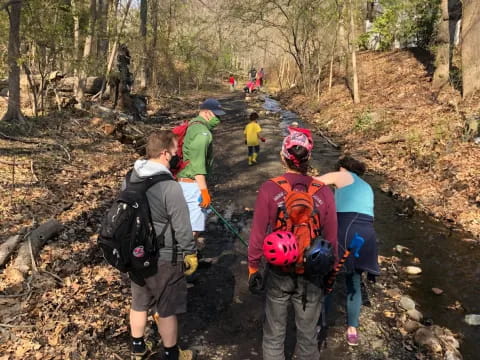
column 448, row 263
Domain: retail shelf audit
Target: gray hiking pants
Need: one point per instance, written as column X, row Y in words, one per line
column 281, row 289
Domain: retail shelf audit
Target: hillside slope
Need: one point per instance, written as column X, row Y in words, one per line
column 419, row 141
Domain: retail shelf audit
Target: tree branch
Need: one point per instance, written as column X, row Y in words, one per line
column 4, row 6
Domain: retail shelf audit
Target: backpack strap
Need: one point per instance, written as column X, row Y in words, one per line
column 283, row 183
column 314, row 187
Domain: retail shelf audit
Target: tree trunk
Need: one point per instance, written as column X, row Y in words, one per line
column 470, row 47
column 356, row 94
column 143, row 35
column 87, row 52
column 114, row 50
column 153, row 49
column 8, row 247
column 13, row 110
column 102, row 33
column 78, row 89
column 442, row 72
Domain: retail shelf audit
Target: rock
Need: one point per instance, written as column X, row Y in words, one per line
column 377, row 344
column 472, row 319
column 413, row 270
column 424, row 337
column 394, row 293
column 450, row 342
column 389, row 314
column 411, row 326
column 452, row 355
column 407, row 303
column 414, row 314
column 437, row 291
column 401, row 249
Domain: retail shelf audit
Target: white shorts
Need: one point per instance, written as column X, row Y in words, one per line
column 198, row 215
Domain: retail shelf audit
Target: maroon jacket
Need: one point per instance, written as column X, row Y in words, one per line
column 270, row 196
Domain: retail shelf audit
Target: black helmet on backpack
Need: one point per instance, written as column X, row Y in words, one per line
column 319, row 258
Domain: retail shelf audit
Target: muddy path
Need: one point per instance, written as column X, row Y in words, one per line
column 224, row 320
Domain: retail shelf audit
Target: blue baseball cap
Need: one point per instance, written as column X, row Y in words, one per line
column 214, row 106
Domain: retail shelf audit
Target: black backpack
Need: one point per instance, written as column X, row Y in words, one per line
column 127, row 235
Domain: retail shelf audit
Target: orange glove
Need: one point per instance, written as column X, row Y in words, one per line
column 206, row 199
column 251, row 271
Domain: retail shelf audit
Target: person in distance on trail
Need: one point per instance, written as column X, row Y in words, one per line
column 232, row 82
column 252, row 137
column 164, row 293
column 354, row 201
column 198, row 155
column 285, row 285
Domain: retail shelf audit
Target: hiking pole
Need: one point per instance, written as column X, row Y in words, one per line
column 355, row 246
column 228, row 225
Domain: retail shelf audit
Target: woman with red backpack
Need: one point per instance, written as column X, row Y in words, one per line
column 292, row 206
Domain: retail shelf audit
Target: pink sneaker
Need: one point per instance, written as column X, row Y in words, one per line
column 352, row 339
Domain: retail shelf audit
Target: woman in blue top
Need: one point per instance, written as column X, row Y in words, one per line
column 354, row 203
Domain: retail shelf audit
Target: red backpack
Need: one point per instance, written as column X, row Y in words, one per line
column 298, row 215
column 181, row 131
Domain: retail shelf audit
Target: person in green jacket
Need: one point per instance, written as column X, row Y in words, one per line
column 198, row 153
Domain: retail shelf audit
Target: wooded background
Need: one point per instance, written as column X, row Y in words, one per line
column 47, row 46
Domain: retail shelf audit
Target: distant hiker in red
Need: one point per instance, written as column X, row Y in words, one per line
column 232, row 82
column 249, row 87
column 292, row 205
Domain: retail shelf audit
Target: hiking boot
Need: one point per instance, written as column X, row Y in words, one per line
column 142, row 355
column 254, row 158
column 185, row 354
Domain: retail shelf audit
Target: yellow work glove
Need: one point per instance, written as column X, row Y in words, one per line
column 191, row 263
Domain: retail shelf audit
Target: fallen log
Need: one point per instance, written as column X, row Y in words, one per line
column 336, row 146
column 33, row 243
column 93, row 84
column 8, row 247
column 388, row 139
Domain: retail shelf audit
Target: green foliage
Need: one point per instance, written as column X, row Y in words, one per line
column 408, row 21
column 369, row 122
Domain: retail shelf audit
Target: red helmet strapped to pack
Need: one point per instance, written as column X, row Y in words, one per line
column 280, row 248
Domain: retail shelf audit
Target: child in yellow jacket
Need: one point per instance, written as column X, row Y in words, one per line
column 252, row 137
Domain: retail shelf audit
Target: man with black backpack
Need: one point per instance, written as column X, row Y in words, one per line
column 164, row 292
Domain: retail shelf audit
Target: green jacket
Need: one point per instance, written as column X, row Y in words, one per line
column 197, row 149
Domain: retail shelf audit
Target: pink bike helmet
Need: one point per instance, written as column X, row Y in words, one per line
column 280, row 248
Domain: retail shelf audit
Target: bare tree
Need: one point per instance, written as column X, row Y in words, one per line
column 356, row 94
column 14, row 9
column 442, row 71
column 470, row 47
column 143, row 35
